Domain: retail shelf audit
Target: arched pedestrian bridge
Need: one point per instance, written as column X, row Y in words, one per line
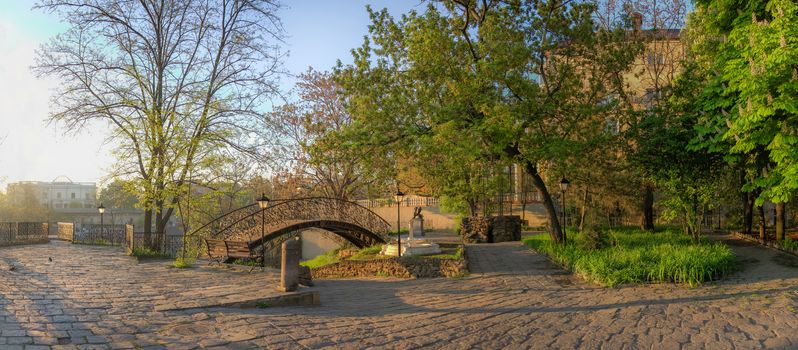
column 351, row 221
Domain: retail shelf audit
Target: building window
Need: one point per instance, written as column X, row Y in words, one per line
column 612, row 126
column 87, row 196
column 58, row 195
column 655, row 58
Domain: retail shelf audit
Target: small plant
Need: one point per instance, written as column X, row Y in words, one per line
column 789, row 243
column 183, row 263
column 263, row 304
column 593, row 239
column 382, row 274
column 146, row 252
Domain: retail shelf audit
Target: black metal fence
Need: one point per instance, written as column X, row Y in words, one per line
column 99, row 234
column 23, row 232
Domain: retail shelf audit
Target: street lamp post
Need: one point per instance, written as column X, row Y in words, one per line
column 101, row 209
column 563, row 187
column 263, row 202
column 399, row 196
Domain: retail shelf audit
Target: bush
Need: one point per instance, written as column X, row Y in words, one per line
column 145, row 252
column 634, row 256
column 182, row 263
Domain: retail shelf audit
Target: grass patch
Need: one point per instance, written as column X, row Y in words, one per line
column 634, row 256
column 145, row 252
column 368, row 253
column 328, row 258
column 789, row 243
column 447, row 253
column 403, row 231
column 263, row 304
column 181, row 263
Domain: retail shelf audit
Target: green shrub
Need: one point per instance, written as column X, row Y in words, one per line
column 182, row 263
column 634, row 256
column 145, row 252
column 789, row 243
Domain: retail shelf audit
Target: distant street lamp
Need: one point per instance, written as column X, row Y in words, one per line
column 563, row 187
column 263, row 202
column 399, row 196
column 101, row 209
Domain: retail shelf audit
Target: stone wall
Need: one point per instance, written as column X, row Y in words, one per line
column 475, row 229
column 491, row 230
column 506, row 228
column 404, row 267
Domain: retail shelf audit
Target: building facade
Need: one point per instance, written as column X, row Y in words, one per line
column 62, row 193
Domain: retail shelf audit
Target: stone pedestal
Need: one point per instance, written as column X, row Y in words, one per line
column 411, row 246
column 289, row 265
column 417, row 227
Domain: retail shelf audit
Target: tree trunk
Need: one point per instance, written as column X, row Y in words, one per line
column 647, row 217
column 147, row 220
column 780, row 222
column 762, row 224
column 584, row 211
column 556, row 231
column 748, row 215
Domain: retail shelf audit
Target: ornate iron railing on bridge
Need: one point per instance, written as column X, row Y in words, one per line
column 246, row 223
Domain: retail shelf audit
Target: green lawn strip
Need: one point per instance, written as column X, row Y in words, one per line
column 634, row 256
column 328, row 258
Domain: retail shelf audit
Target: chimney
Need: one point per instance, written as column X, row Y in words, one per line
column 637, row 21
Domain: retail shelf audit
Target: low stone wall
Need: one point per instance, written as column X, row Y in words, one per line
column 404, row 267
column 769, row 244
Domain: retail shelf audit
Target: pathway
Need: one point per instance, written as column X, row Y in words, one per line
column 92, row 297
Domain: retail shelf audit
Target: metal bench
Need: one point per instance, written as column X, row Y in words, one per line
column 222, row 251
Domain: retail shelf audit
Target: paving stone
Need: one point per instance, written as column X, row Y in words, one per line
column 514, row 298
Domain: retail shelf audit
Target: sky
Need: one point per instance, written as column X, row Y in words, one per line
column 319, row 32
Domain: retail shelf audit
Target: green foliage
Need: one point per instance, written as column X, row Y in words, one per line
column 367, row 253
column 748, row 53
column 183, row 263
column 328, row 258
column 464, row 96
column 789, row 243
column 145, row 252
column 263, row 304
column 635, row 256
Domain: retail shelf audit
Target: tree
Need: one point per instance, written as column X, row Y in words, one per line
column 320, row 164
column 176, row 81
column 117, row 195
column 510, row 81
column 749, row 50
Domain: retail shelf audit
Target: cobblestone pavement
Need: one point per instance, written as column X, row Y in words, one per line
column 93, row 297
